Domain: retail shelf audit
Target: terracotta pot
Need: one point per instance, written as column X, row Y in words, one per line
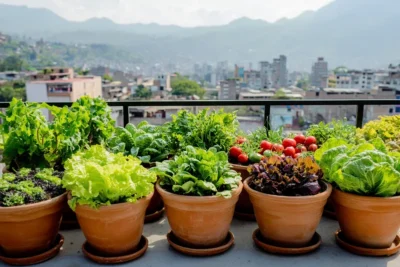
column 199, row 222
column 288, row 221
column 371, row 222
column 244, row 204
column 113, row 230
column 156, row 203
column 31, row 229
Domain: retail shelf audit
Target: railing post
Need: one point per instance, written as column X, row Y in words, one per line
column 267, row 117
column 360, row 115
column 125, row 109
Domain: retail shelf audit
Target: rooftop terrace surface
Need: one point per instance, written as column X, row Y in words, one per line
column 243, row 253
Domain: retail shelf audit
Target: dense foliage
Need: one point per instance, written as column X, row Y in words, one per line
column 29, row 186
column 387, row 128
column 336, row 128
column 205, row 129
column 31, row 141
column 181, row 86
column 9, row 90
column 97, row 177
column 286, row 176
column 198, row 172
column 147, row 142
column 367, row 168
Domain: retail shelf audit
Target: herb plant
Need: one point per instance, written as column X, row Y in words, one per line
column 205, row 129
column 366, row 169
column 198, row 172
column 29, row 186
column 97, row 177
column 147, row 142
column 286, row 176
column 336, row 128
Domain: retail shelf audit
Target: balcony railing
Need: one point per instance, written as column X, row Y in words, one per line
column 267, row 104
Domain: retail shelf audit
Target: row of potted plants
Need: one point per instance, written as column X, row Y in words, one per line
column 107, row 176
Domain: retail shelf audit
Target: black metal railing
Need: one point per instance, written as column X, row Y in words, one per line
column 360, row 103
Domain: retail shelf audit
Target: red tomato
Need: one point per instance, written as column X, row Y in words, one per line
column 277, row 148
column 243, row 158
column 300, row 148
column 289, row 142
column 300, row 139
column 289, row 151
column 313, row 147
column 297, row 155
column 235, row 151
column 303, row 149
column 241, row 140
column 310, row 140
column 265, row 145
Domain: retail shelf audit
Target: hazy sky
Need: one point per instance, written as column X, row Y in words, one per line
column 178, row 12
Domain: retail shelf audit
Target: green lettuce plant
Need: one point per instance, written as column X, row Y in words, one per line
column 205, row 129
column 97, row 177
column 149, row 143
column 198, row 172
column 366, row 168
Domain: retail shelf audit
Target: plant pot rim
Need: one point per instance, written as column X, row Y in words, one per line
column 186, row 198
column 112, row 206
column 361, row 197
column 326, row 193
column 239, row 167
column 33, row 205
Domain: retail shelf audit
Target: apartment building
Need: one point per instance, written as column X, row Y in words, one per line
column 319, row 73
column 266, row 74
column 253, row 79
column 229, row 90
column 115, row 91
column 275, row 74
column 62, row 90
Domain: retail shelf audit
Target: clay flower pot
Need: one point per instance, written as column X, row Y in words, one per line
column 199, row 222
column 113, row 230
column 31, row 229
column 371, row 222
column 288, row 221
column 244, row 204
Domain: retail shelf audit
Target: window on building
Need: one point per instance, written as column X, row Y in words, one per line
column 316, row 93
column 390, row 110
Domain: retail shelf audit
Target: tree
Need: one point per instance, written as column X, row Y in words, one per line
column 12, row 63
column 280, row 94
column 107, row 77
column 12, row 89
column 143, row 92
column 182, row 86
column 303, row 84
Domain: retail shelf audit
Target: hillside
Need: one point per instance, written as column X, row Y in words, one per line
column 355, row 33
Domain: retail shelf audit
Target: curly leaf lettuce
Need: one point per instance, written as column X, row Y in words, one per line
column 97, row 177
column 198, row 172
column 363, row 169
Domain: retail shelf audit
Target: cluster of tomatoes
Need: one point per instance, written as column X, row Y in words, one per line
column 289, row 147
column 292, row 147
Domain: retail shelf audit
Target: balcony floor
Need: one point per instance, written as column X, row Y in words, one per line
column 243, row 253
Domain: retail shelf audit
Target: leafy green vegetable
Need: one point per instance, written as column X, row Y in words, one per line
column 205, row 130
column 286, row 176
column 147, row 142
column 364, row 169
column 97, row 177
column 29, row 186
column 33, row 142
column 198, row 172
column 339, row 129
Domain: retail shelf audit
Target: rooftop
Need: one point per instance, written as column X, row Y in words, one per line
column 62, row 80
column 243, row 253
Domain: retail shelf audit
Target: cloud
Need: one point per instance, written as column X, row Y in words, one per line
column 178, row 12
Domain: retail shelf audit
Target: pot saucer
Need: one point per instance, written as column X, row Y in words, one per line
column 343, row 243
column 52, row 252
column 200, row 252
column 262, row 244
column 245, row 216
column 330, row 214
column 90, row 253
column 149, row 218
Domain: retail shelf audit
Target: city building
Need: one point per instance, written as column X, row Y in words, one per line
column 62, row 90
column 11, row 75
column 100, row 71
column 319, row 73
column 53, row 73
column 115, row 91
column 229, row 89
column 164, row 82
column 392, row 80
column 239, row 72
column 274, row 75
column 253, row 79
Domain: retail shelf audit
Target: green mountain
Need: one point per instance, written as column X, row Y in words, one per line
column 355, row 33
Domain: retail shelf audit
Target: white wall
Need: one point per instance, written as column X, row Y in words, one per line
column 36, row 92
